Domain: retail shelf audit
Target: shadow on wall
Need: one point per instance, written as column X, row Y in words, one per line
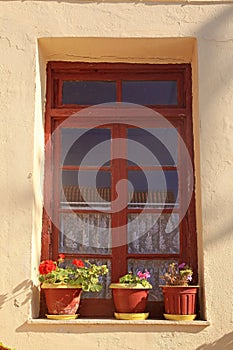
column 224, row 343
column 21, row 294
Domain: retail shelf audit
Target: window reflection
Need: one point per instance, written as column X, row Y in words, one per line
column 85, row 147
column 153, row 189
column 152, row 146
column 160, row 92
column 86, row 189
column 88, row 92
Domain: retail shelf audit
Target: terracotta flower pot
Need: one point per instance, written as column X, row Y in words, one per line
column 129, row 300
column 62, row 300
column 180, row 301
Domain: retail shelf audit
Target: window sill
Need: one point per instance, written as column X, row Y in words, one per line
column 113, row 321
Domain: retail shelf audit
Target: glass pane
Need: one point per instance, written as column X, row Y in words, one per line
column 153, row 234
column 105, row 293
column 85, row 233
column 152, row 147
column 150, row 92
column 156, row 269
column 88, row 92
column 86, row 189
column 85, row 147
column 153, row 189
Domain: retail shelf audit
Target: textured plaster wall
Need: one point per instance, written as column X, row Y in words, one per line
column 23, row 55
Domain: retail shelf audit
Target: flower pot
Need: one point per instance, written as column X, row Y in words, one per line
column 130, row 300
column 62, row 300
column 180, row 302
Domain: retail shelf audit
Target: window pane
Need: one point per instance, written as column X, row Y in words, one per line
column 85, row 147
column 150, row 92
column 88, row 92
column 85, row 233
column 86, row 189
column 153, row 234
column 153, row 189
column 152, row 146
column 156, row 269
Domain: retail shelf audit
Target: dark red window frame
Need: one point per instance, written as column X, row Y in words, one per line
column 180, row 116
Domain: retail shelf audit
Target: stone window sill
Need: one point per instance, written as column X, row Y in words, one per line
column 113, row 321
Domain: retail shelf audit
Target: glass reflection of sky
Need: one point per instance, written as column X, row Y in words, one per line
column 76, row 143
column 155, row 146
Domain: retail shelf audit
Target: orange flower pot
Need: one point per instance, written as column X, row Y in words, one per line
column 180, row 300
column 129, row 299
column 62, row 300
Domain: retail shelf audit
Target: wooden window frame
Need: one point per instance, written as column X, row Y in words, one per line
column 180, row 116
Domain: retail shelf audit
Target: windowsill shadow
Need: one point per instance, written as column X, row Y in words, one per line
column 224, row 343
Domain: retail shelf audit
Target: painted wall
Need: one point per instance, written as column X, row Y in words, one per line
column 32, row 32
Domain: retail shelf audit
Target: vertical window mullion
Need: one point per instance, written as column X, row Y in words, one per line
column 56, row 190
column 119, row 90
column 119, row 172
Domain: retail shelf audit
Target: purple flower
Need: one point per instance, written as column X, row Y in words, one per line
column 181, row 266
column 189, row 278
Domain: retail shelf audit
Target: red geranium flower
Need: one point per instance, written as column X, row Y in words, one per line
column 78, row 263
column 61, row 256
column 47, row 266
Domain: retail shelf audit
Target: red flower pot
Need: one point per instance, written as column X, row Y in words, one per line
column 129, row 300
column 62, row 300
column 180, row 300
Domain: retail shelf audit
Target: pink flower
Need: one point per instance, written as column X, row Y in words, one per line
column 140, row 274
column 144, row 275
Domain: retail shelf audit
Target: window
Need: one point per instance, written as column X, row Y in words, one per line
column 91, row 152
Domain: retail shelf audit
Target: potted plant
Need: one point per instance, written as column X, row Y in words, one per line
column 2, row 347
column 180, row 298
column 63, row 283
column 130, row 296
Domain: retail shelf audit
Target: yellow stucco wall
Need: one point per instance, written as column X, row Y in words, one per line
column 32, row 32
